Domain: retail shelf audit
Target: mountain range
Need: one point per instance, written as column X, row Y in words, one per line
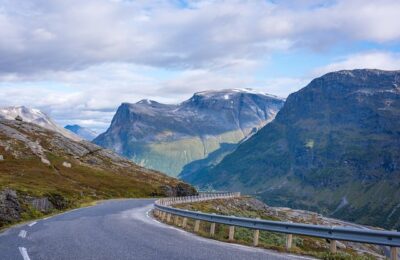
column 333, row 148
column 82, row 132
column 167, row 137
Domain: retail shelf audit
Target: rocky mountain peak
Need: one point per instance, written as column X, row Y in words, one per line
column 333, row 148
column 191, row 129
column 37, row 117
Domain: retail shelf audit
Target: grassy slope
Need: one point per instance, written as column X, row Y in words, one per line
column 84, row 182
column 334, row 141
column 171, row 156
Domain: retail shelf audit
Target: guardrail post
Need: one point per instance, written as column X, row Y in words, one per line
column 212, row 229
column 256, row 235
column 184, row 222
column 168, row 217
column 394, row 254
column 289, row 240
column 314, row 219
column 231, row 233
column 163, row 215
column 196, row 225
column 176, row 220
column 332, row 246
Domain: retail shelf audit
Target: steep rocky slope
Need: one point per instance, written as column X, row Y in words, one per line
column 167, row 137
column 333, row 148
column 42, row 171
column 83, row 132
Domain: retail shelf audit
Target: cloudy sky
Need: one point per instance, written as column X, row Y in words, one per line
column 78, row 60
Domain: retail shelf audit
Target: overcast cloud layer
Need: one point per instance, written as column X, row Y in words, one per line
column 78, row 60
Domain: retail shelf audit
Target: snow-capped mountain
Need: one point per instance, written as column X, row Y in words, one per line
column 81, row 131
column 166, row 137
column 37, row 117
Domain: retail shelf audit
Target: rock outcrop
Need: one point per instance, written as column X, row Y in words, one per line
column 10, row 208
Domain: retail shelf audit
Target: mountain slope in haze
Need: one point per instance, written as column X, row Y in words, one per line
column 334, row 148
column 167, row 137
column 83, row 132
column 196, row 167
column 37, row 117
column 42, row 171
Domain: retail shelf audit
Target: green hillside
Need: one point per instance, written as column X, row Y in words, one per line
column 42, row 172
column 333, row 148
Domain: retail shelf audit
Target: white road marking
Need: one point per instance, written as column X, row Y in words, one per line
column 22, row 233
column 33, row 223
column 24, row 253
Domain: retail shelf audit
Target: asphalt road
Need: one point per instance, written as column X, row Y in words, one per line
column 118, row 229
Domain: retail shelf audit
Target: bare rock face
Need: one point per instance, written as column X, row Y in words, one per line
column 34, row 116
column 10, row 208
column 332, row 148
column 167, row 137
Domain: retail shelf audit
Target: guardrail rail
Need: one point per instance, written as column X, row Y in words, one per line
column 163, row 209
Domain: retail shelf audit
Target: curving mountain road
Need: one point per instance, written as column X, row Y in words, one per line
column 117, row 229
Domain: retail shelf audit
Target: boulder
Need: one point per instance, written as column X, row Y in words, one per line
column 67, row 164
column 10, row 208
column 45, row 161
column 181, row 189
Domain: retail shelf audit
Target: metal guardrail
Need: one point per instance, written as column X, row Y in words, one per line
column 385, row 238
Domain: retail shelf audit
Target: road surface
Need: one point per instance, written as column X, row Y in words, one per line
column 117, row 229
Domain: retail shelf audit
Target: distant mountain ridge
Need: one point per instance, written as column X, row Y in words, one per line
column 334, row 148
column 37, row 117
column 167, row 137
column 83, row 132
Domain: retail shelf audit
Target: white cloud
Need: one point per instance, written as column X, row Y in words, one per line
column 365, row 60
column 90, row 97
column 71, row 35
column 78, row 60
column 283, row 86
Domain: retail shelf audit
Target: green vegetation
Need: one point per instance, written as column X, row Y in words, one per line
column 333, row 148
column 171, row 156
column 30, row 188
